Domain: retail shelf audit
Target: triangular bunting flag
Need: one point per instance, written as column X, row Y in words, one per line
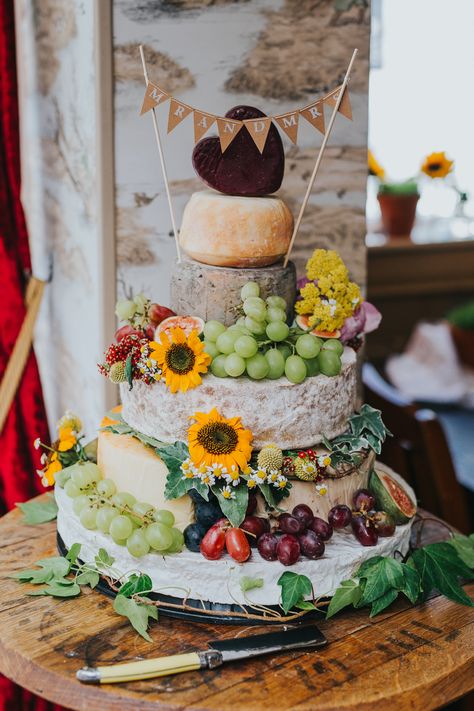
column 228, row 129
column 289, row 124
column 258, row 129
column 202, row 122
column 178, row 112
column 314, row 113
column 345, row 107
column 153, row 96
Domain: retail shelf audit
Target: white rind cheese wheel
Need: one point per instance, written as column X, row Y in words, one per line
column 232, row 231
column 293, row 416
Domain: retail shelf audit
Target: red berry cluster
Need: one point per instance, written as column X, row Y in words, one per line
column 116, row 352
column 288, row 468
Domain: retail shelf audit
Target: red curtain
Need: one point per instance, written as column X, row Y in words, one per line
column 27, row 419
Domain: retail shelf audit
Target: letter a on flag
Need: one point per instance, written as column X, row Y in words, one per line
column 258, row 129
column 178, row 112
column 153, row 96
column 314, row 113
column 345, row 106
column 228, row 129
column 202, row 122
column 289, row 124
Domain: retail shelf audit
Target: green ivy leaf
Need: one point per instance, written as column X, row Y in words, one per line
column 103, row 559
column 149, row 441
column 383, row 601
column 137, row 613
column 173, row 455
column 50, row 568
column 385, row 574
column 73, row 553
column 464, row 546
column 129, row 371
column 305, row 605
column 57, row 588
column 294, row 587
column 439, row 568
column 88, row 577
column 268, row 495
column 348, row 593
column 368, row 419
column 247, row 583
column 233, row 509
column 412, row 583
column 135, row 585
column 36, row 512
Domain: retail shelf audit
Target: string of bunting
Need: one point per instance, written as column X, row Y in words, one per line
column 257, row 128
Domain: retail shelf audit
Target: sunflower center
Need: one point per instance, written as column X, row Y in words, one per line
column 218, row 438
column 180, row 358
column 434, row 166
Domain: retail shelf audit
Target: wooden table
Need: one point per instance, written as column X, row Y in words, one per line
column 409, row 658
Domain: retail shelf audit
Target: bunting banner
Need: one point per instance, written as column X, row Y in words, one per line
column 257, row 128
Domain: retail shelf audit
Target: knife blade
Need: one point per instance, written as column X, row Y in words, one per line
column 219, row 652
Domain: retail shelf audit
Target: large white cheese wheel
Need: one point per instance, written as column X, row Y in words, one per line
column 232, row 231
column 136, row 469
column 292, row 416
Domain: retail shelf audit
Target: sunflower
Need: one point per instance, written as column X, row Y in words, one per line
column 215, row 440
column 374, row 167
column 181, row 359
column 436, row 165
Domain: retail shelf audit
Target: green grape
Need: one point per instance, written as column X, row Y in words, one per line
column 256, row 311
column 106, row 487
column 257, row 366
column 81, row 476
column 211, row 349
column 123, row 499
column 234, row 365
column 225, row 342
column 105, row 516
column 120, row 528
column 277, row 331
column 218, row 366
column 178, row 541
column 212, row 330
column 255, row 327
column 276, row 314
column 276, row 363
column 62, row 477
column 246, row 346
column 165, row 517
column 137, row 544
column 285, row 350
column 307, row 346
column 312, row 366
column 277, row 302
column 251, row 288
column 241, row 323
column 142, row 508
column 295, row 369
column 72, row 489
column 80, row 503
column 333, row 344
column 88, row 517
column 159, row 536
column 329, row 363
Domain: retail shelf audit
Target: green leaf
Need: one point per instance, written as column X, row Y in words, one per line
column 384, row 575
column 149, row 441
column 121, row 428
column 73, row 553
column 247, row 583
column 439, row 567
column 268, row 495
column 135, row 585
column 305, row 605
column 129, row 371
column 294, row 587
column 103, row 559
column 348, row 593
column 90, row 450
column 137, row 613
column 39, row 511
column 36, row 577
column 173, row 455
column 56, row 589
column 236, row 508
column 88, row 577
column 369, row 419
column 383, row 601
column 412, row 583
column 464, row 546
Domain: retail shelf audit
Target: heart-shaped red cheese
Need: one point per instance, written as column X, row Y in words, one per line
column 241, row 169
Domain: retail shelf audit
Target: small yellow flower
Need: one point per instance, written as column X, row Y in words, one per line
column 67, row 439
column 251, row 483
column 48, row 474
column 261, row 474
column 69, row 419
column 436, row 165
column 374, row 166
column 227, row 493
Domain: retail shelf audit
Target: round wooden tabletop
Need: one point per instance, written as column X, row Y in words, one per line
column 408, row 658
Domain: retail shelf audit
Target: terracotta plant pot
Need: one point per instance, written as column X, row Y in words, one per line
column 398, row 213
column 464, row 342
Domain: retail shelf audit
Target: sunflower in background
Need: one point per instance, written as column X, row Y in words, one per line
column 374, row 166
column 436, row 165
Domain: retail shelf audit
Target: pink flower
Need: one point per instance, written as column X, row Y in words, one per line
column 365, row 319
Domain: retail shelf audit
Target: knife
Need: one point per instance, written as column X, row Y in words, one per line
column 220, row 651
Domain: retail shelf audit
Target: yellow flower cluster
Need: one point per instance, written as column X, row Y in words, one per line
column 333, row 298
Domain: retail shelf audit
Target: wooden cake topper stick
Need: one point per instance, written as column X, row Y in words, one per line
column 162, row 160
column 319, row 157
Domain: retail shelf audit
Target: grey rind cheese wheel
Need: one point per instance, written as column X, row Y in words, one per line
column 214, row 292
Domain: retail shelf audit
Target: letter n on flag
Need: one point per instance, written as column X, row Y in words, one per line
column 153, row 97
column 345, row 107
column 289, row 124
column 228, row 129
column 258, row 129
column 314, row 113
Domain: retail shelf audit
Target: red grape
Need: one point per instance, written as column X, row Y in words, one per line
column 304, row 514
column 384, row 523
column 290, row 524
column 311, row 545
column 265, row 524
column 340, row 516
column 267, row 546
column 212, row 545
column 321, row 528
column 237, row 544
column 252, row 504
column 253, row 525
column 363, row 500
column 288, row 549
column 364, row 531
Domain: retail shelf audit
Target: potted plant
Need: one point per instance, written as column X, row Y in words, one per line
column 461, row 323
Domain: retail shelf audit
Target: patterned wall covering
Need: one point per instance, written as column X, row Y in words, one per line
column 214, row 54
